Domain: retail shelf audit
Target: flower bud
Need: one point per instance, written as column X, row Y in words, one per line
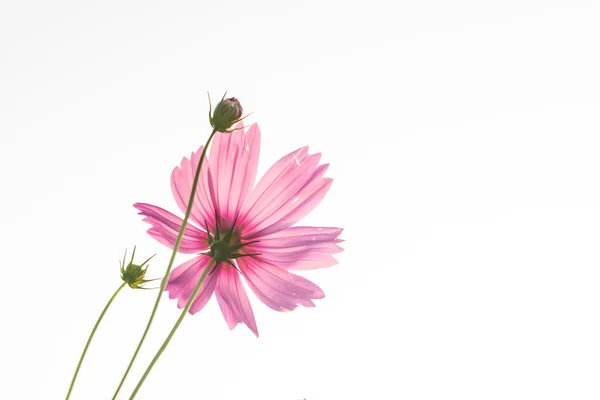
column 133, row 274
column 227, row 113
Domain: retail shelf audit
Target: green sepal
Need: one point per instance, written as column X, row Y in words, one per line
column 132, row 274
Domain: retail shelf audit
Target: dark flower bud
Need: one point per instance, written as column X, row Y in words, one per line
column 227, row 113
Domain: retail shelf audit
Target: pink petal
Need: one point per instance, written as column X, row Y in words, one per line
column 227, row 175
column 289, row 190
column 233, row 300
column 299, row 248
column 184, row 278
column 233, row 166
column 276, row 287
column 302, row 236
column 288, row 168
column 165, row 228
column 290, row 213
column 182, row 180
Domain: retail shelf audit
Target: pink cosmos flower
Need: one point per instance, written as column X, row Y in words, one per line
column 249, row 229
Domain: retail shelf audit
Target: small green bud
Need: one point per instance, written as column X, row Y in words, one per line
column 133, row 274
column 227, row 113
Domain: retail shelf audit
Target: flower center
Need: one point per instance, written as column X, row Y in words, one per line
column 220, row 251
column 226, row 246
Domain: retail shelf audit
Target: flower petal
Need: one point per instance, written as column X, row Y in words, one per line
column 233, row 164
column 227, row 175
column 233, row 300
column 278, row 288
column 182, row 180
column 165, row 228
column 289, row 190
column 299, row 247
column 183, row 280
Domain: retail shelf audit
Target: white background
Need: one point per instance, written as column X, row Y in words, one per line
column 463, row 142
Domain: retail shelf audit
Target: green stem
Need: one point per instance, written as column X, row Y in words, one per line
column 168, row 339
column 171, row 261
column 85, row 349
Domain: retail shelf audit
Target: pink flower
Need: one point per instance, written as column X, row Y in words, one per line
column 249, row 229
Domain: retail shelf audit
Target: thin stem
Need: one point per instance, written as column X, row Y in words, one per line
column 171, row 261
column 85, row 349
column 170, row 336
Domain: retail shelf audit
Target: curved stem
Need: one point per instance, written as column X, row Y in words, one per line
column 85, row 349
column 171, row 261
column 170, row 336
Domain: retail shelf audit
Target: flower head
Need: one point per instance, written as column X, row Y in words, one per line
column 227, row 113
column 133, row 274
column 250, row 230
